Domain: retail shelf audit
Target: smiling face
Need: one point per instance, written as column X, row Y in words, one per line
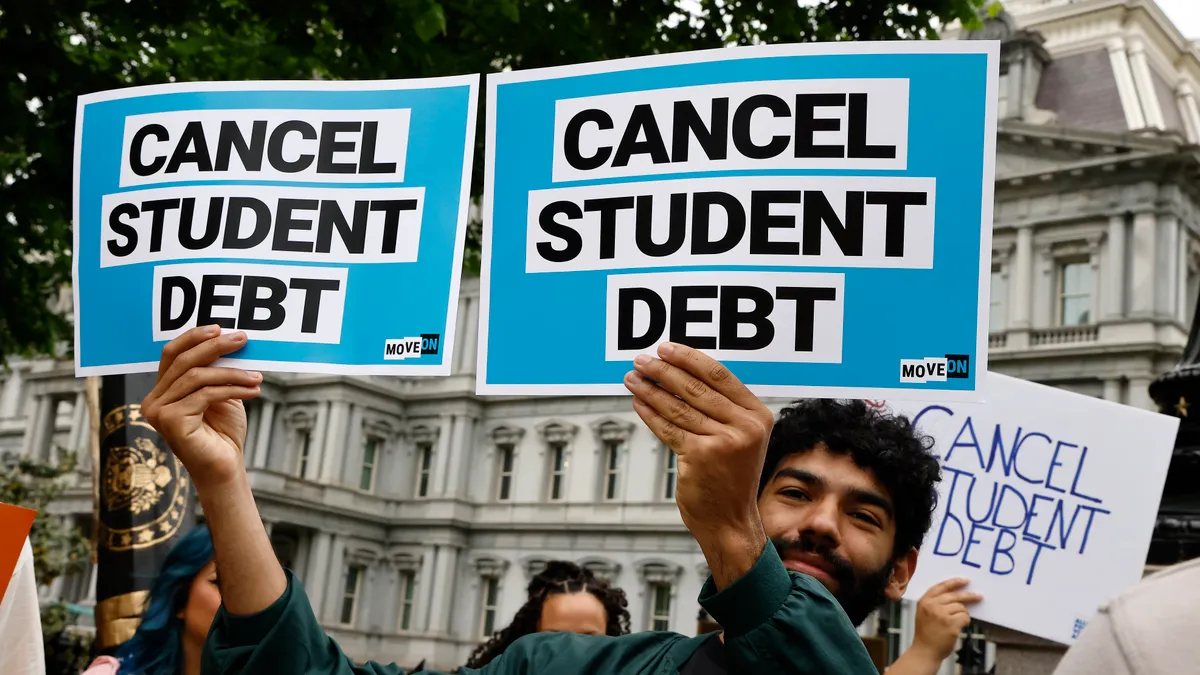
column 579, row 612
column 834, row 521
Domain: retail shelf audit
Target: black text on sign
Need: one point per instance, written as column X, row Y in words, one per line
column 282, row 303
column 798, row 124
column 327, row 146
column 732, row 316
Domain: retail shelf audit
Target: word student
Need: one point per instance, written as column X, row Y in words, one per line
column 749, row 216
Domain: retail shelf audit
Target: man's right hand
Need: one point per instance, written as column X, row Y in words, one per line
column 198, row 409
column 942, row 615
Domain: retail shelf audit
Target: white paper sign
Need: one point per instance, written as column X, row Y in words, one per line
column 1047, row 501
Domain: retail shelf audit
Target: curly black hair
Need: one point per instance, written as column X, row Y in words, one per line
column 887, row 445
column 560, row 576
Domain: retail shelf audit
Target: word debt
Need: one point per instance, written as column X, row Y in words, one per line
column 733, row 316
column 295, row 145
column 327, row 224
column 269, row 302
column 759, row 220
column 861, row 123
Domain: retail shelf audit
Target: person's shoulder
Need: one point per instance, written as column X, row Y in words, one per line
column 1167, row 596
column 555, row 652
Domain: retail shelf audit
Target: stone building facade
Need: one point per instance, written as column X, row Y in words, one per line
column 415, row 511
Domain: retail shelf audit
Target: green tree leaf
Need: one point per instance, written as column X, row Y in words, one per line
column 431, row 23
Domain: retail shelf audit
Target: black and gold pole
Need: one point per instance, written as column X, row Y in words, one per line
column 142, row 504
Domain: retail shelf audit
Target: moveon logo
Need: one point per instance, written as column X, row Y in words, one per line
column 411, row 347
column 935, row 369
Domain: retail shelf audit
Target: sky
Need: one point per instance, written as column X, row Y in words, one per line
column 1185, row 14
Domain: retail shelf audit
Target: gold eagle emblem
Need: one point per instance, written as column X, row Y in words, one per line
column 135, row 478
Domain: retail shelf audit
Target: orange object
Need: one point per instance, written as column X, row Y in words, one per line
column 14, row 528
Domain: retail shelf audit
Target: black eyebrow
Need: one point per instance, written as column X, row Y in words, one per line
column 858, row 494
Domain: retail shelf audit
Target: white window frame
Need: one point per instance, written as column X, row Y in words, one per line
column 999, row 283
column 1061, row 296
column 424, row 470
column 408, row 582
column 359, row 572
column 557, row 456
column 369, row 469
column 654, row 588
column 302, row 451
column 670, row 474
column 490, row 586
column 506, row 454
column 611, row 483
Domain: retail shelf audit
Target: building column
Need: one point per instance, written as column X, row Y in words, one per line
column 469, row 337
column 459, row 452
column 441, row 459
column 1126, row 89
column 1168, row 293
column 1112, row 390
column 316, row 577
column 1185, row 100
column 336, row 581
column 1114, row 305
column 262, row 438
column 37, row 429
column 1181, row 274
column 1191, row 112
column 1145, row 256
column 1022, row 285
column 80, row 426
column 352, row 465
column 10, row 395
column 367, row 600
column 334, row 444
column 443, row 588
column 1139, row 393
column 1144, row 84
column 424, row 590
column 316, row 448
column 386, row 617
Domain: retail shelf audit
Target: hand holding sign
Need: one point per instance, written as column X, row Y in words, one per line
column 198, row 408
column 720, row 431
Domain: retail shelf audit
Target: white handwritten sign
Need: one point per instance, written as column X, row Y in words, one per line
column 1047, row 501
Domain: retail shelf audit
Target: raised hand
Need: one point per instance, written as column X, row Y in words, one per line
column 719, row 430
column 942, row 615
column 198, row 408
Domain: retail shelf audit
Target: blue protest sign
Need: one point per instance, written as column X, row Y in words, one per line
column 817, row 216
column 325, row 219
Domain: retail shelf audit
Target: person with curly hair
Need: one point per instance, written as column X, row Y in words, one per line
column 563, row 597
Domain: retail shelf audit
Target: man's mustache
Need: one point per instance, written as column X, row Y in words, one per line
column 840, row 567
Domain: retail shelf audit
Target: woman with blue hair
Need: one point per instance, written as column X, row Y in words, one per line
column 178, row 613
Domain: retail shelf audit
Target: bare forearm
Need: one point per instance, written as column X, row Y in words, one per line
column 251, row 578
column 916, row 660
column 732, row 550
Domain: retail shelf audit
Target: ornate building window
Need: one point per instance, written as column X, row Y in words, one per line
column 1074, row 293
column 372, row 447
column 490, row 572
column 407, row 567
column 614, row 438
column 602, row 568
column 351, row 592
column 506, row 440
column 557, row 436
column 424, row 439
column 659, row 579
column 670, row 472
column 300, row 424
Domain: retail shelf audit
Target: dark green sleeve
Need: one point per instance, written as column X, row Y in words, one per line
column 284, row 638
column 777, row 621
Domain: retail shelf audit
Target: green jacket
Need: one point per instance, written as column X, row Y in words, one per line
column 775, row 621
